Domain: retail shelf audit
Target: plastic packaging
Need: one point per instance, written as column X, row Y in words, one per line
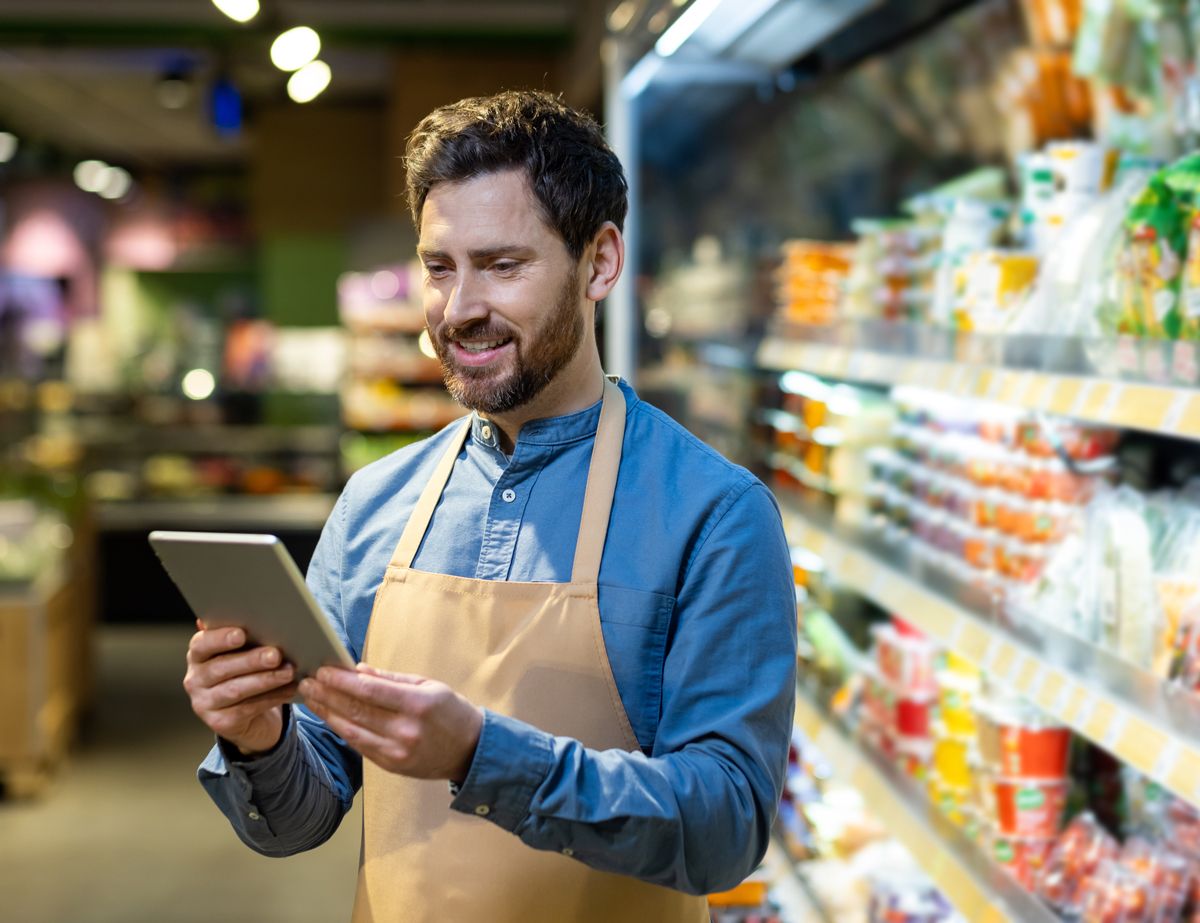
column 1079, row 851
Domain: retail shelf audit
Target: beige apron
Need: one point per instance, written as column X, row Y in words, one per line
column 533, row 651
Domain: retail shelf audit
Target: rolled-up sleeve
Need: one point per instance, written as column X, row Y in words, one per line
column 694, row 814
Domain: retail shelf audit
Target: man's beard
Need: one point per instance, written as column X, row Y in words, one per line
column 536, row 363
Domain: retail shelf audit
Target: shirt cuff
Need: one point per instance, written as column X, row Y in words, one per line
column 511, row 760
column 270, row 769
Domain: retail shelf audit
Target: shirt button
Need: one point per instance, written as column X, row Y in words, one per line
column 254, row 815
column 509, row 496
column 483, row 810
column 568, row 852
column 486, row 432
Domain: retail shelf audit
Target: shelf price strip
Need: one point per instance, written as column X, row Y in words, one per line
column 1089, row 710
column 1158, row 408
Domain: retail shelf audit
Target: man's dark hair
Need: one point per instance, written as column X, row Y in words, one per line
column 575, row 177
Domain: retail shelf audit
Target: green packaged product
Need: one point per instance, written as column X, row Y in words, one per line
column 1150, row 270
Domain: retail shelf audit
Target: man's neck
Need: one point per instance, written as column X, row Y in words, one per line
column 576, row 388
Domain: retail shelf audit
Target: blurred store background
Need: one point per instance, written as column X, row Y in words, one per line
column 210, row 317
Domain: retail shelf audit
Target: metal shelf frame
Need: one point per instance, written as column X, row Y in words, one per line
column 1136, row 384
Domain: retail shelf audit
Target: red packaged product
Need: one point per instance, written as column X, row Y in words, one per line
column 1031, row 748
column 1116, row 894
column 1079, row 851
column 913, row 715
column 1169, row 875
column 1030, row 809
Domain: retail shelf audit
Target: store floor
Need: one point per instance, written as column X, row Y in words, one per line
column 126, row 835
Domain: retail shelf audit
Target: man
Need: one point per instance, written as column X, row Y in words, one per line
column 574, row 612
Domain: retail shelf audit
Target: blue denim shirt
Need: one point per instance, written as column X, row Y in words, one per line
column 698, row 613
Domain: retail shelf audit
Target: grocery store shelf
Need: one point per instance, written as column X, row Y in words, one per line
column 1145, row 721
column 790, row 887
column 978, row 888
column 289, row 512
column 1124, row 387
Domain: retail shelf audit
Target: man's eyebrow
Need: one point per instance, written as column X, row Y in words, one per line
column 484, row 253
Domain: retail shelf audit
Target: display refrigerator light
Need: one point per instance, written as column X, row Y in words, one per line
column 8, row 146
column 199, row 384
column 116, row 183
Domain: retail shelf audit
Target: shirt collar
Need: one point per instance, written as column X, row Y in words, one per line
column 550, row 430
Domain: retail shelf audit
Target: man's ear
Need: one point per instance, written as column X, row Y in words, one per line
column 606, row 258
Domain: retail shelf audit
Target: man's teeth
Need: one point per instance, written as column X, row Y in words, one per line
column 480, row 347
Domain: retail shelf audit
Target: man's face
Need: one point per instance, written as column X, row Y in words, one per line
column 503, row 300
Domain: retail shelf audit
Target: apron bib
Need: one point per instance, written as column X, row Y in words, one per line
column 535, row 652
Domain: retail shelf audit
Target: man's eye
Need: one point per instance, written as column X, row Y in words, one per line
column 505, row 266
column 436, row 269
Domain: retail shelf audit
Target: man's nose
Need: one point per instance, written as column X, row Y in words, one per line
column 467, row 300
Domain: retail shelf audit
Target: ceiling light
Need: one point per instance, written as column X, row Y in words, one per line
column 238, row 10
column 682, row 28
column 116, row 183
column 295, row 48
column 425, row 344
column 90, row 175
column 199, row 384
column 307, row 83
column 8, row 146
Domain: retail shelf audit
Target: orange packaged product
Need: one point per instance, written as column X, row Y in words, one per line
column 1030, row 809
column 1031, row 747
column 914, row 756
column 979, row 548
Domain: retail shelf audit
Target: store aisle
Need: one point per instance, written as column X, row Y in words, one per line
column 126, row 835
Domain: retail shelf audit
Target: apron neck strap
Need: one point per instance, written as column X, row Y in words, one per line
column 418, row 522
column 597, row 498
column 601, row 485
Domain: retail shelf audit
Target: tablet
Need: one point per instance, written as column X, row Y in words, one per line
column 251, row 582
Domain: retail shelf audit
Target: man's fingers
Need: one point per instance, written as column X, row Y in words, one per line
column 374, row 687
column 208, row 644
column 375, row 747
column 247, row 688
column 411, row 678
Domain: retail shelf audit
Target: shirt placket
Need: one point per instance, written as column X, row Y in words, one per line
column 510, row 497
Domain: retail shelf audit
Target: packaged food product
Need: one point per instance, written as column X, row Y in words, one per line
column 1083, row 845
column 991, row 751
column 1021, row 857
column 914, row 756
column 906, row 660
column 956, row 705
column 1168, row 873
column 989, row 288
column 914, row 714
column 1031, row 746
column 1115, row 894
column 951, row 760
column 1030, row 809
column 953, row 802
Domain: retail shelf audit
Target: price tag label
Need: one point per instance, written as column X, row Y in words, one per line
column 1033, row 688
column 1173, row 418
column 991, row 654
column 1019, row 393
column 1114, row 730
column 1082, row 398
column 1062, row 701
column 1165, row 761
column 1108, row 406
